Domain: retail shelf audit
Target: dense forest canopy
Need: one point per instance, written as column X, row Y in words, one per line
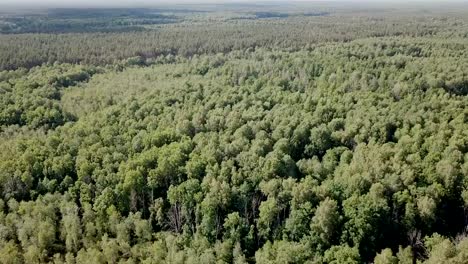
column 234, row 134
column 91, row 36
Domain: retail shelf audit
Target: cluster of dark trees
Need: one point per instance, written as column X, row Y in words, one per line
column 34, row 101
column 335, row 153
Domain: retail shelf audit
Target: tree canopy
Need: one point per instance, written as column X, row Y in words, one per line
column 335, row 152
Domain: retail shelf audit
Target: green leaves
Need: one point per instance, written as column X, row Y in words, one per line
column 35, row 101
column 335, row 154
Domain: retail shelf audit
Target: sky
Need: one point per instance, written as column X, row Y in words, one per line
column 135, row 3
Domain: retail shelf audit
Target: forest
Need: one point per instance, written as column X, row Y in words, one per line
column 249, row 133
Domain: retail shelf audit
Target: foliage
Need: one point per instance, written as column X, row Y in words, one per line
column 332, row 153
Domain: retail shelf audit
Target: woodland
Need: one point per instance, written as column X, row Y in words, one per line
column 305, row 133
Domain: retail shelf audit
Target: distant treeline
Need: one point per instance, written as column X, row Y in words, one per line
column 188, row 39
column 283, row 15
column 84, row 20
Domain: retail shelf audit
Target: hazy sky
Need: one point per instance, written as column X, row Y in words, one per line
column 129, row 3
